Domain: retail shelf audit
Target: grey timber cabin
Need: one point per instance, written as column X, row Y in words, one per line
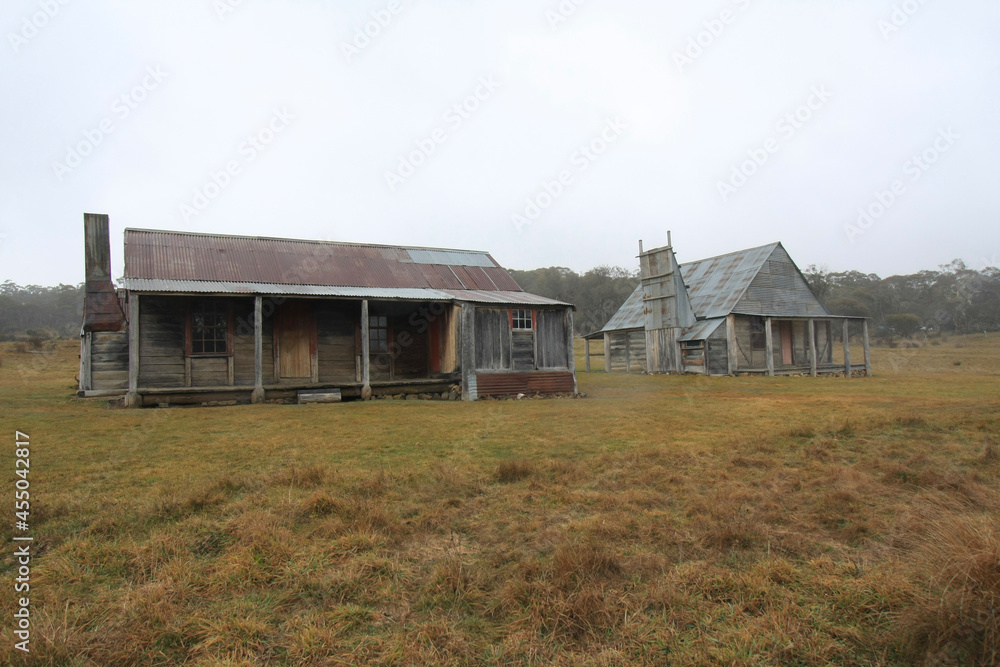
column 208, row 319
column 746, row 312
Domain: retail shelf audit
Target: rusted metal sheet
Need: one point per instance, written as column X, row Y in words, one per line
column 702, row 330
column 179, row 256
column 161, row 286
column 511, row 384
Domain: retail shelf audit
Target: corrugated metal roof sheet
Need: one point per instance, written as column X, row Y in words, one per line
column 167, row 255
column 702, row 330
column 715, row 285
column 517, row 298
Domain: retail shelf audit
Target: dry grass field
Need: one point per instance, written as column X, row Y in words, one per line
column 661, row 520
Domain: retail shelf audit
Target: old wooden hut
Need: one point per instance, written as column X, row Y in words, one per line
column 750, row 311
column 204, row 318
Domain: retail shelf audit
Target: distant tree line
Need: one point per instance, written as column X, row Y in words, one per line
column 954, row 298
column 40, row 311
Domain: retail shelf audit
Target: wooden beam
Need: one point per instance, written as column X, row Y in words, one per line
column 812, row 348
column 607, row 351
column 732, row 347
column 132, row 397
column 366, row 388
column 628, row 352
column 86, row 380
column 868, row 349
column 571, row 342
column 258, row 350
column 769, row 335
column 847, row 348
column 470, row 390
column 586, row 354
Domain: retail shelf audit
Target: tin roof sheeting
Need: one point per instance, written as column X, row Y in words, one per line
column 182, row 256
column 715, row 285
column 702, row 330
column 516, row 298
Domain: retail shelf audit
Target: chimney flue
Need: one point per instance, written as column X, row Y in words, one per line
column 670, row 243
column 640, row 246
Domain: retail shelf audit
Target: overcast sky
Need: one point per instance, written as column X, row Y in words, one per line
column 549, row 133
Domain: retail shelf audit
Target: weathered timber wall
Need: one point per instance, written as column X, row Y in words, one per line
column 109, row 360
column 162, row 341
column 337, row 326
column 523, row 345
column 717, row 352
column 493, row 341
column 780, row 288
column 551, row 343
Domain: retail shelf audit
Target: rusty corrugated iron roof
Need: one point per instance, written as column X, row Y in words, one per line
column 184, row 256
column 162, row 286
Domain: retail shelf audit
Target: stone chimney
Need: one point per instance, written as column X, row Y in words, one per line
column 101, row 309
column 667, row 308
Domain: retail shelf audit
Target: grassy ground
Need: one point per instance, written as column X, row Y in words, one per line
column 661, row 520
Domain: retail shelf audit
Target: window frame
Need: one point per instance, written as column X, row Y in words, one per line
column 514, row 319
column 227, row 310
column 372, row 328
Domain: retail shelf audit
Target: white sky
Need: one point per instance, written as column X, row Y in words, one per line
column 681, row 129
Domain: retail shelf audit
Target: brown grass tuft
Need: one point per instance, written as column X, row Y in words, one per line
column 513, row 470
column 956, row 620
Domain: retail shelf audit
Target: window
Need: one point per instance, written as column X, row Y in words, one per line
column 758, row 338
column 209, row 327
column 378, row 333
column 521, row 320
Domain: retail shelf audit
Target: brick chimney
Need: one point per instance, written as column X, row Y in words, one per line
column 101, row 309
column 666, row 305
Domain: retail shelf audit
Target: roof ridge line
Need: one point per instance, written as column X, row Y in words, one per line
column 360, row 244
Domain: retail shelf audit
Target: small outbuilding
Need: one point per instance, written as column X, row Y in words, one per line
column 205, row 318
column 750, row 311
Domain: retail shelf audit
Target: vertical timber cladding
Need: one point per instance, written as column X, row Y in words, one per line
column 552, row 332
column 492, row 339
column 717, row 352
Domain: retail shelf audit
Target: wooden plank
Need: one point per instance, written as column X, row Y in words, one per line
column 366, row 389
column 607, row 351
column 132, row 398
column 868, row 349
column 732, row 347
column 258, row 351
column 570, row 353
column 847, row 348
column 769, row 337
column 470, row 390
column 85, row 356
column 812, row 348
column 586, row 354
column 324, row 396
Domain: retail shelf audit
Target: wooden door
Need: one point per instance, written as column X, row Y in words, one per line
column 787, row 348
column 295, row 332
